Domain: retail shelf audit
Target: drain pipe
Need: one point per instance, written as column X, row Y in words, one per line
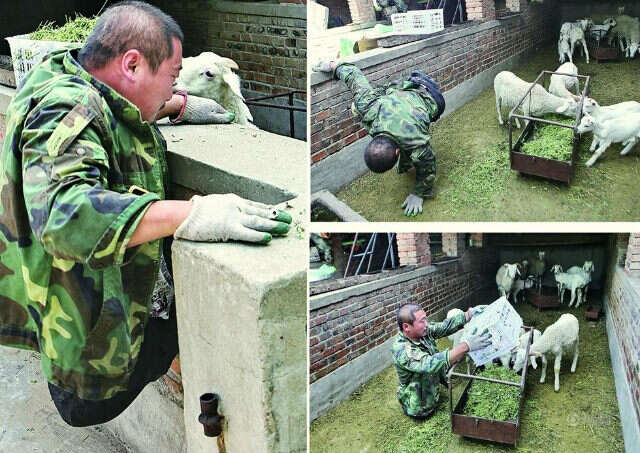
column 210, row 419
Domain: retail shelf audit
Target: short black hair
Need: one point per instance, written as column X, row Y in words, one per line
column 130, row 25
column 380, row 154
column 406, row 314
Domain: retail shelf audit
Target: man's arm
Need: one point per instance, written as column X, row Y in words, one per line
column 447, row 327
column 161, row 219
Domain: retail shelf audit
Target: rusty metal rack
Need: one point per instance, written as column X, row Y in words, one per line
column 599, row 51
column 556, row 170
column 547, row 298
column 506, row 432
column 289, row 106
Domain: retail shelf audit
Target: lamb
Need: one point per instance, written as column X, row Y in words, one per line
column 210, row 75
column 597, row 32
column 505, row 277
column 524, row 269
column 585, row 271
column 521, row 349
column 572, row 282
column 600, row 113
column 509, row 89
column 539, row 267
column 559, row 337
column 564, row 49
column 575, row 35
column 561, row 84
column 519, row 285
column 622, row 31
column 456, row 337
column 623, row 129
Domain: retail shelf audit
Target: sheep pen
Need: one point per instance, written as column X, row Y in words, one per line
column 583, row 416
column 474, row 180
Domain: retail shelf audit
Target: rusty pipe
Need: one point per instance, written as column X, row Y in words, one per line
column 209, row 417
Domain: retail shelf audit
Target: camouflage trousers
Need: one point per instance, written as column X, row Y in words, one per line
column 424, row 161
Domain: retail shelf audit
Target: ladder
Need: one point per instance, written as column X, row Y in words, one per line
column 369, row 251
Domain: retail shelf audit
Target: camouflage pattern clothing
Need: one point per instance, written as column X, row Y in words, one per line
column 421, row 367
column 79, row 169
column 402, row 111
column 389, row 7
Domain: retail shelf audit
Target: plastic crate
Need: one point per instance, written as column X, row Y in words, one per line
column 421, row 22
column 26, row 53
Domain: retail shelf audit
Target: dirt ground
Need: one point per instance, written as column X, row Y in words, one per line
column 582, row 417
column 475, row 183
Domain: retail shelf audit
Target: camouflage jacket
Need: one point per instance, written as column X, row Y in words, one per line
column 400, row 110
column 421, row 367
column 79, row 168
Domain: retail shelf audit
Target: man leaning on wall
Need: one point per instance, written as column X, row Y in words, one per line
column 421, row 367
column 84, row 274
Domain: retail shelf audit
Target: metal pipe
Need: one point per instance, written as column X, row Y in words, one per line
column 497, row 381
column 209, row 417
column 275, row 106
column 291, row 122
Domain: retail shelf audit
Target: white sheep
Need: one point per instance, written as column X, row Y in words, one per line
column 597, row 32
column 509, row 89
column 623, row 129
column 519, row 285
column 572, row 282
column 211, row 76
column 505, row 277
column 623, row 30
column 561, row 84
column 456, row 337
column 576, row 37
column 538, row 269
column 599, row 113
column 564, row 49
column 585, row 271
column 561, row 336
column 520, row 350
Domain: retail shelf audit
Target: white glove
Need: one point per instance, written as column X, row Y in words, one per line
column 323, row 66
column 477, row 340
column 203, row 111
column 412, row 205
column 222, row 217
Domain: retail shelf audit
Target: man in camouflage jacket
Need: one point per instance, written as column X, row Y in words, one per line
column 419, row 363
column 83, row 182
column 397, row 116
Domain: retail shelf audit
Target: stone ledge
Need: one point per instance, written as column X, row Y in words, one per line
column 286, row 10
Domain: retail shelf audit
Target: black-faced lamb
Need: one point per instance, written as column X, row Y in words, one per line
column 560, row 337
column 509, row 89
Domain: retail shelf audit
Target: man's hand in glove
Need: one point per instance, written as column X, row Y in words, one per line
column 222, row 217
column 197, row 110
column 475, row 311
column 412, row 205
column 477, row 340
column 325, row 66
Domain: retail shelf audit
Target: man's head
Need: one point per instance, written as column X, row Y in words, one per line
column 412, row 321
column 136, row 49
column 381, row 154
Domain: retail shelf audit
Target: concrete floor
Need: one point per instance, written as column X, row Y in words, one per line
column 30, row 422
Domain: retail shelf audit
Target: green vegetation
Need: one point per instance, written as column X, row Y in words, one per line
column 582, row 416
column 549, row 141
column 76, row 30
column 491, row 400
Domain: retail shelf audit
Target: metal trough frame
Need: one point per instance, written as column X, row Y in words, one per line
column 599, row 52
column 482, row 428
column 540, row 166
column 542, row 300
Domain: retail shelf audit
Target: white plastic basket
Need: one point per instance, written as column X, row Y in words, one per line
column 421, row 22
column 26, row 53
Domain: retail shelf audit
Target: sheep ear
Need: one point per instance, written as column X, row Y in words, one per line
column 229, row 63
column 233, row 81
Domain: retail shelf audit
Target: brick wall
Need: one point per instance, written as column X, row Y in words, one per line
column 413, row 248
column 344, row 330
column 632, row 263
column 333, row 126
column 624, row 312
column 268, row 41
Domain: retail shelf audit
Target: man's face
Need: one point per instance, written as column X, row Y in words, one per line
column 154, row 90
column 418, row 329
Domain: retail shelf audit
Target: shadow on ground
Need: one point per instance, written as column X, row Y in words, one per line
column 475, row 182
column 582, row 417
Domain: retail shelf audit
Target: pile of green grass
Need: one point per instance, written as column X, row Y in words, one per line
column 76, row 30
column 491, row 400
column 549, row 141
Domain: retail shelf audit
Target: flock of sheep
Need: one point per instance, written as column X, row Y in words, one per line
column 561, row 336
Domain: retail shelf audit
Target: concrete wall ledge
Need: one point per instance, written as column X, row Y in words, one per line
column 382, row 55
column 333, row 297
column 294, row 11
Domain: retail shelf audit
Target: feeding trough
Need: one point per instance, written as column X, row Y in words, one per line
column 547, row 298
column 506, row 432
column 599, row 50
column 557, row 170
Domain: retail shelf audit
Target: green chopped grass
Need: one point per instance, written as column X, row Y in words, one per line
column 491, row 400
column 549, row 141
column 76, row 30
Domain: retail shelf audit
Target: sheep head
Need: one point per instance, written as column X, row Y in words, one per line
column 588, row 266
column 556, row 269
column 512, row 270
column 586, row 124
column 541, row 255
column 589, row 106
column 610, row 22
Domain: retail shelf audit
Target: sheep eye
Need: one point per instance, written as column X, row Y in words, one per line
column 209, row 74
